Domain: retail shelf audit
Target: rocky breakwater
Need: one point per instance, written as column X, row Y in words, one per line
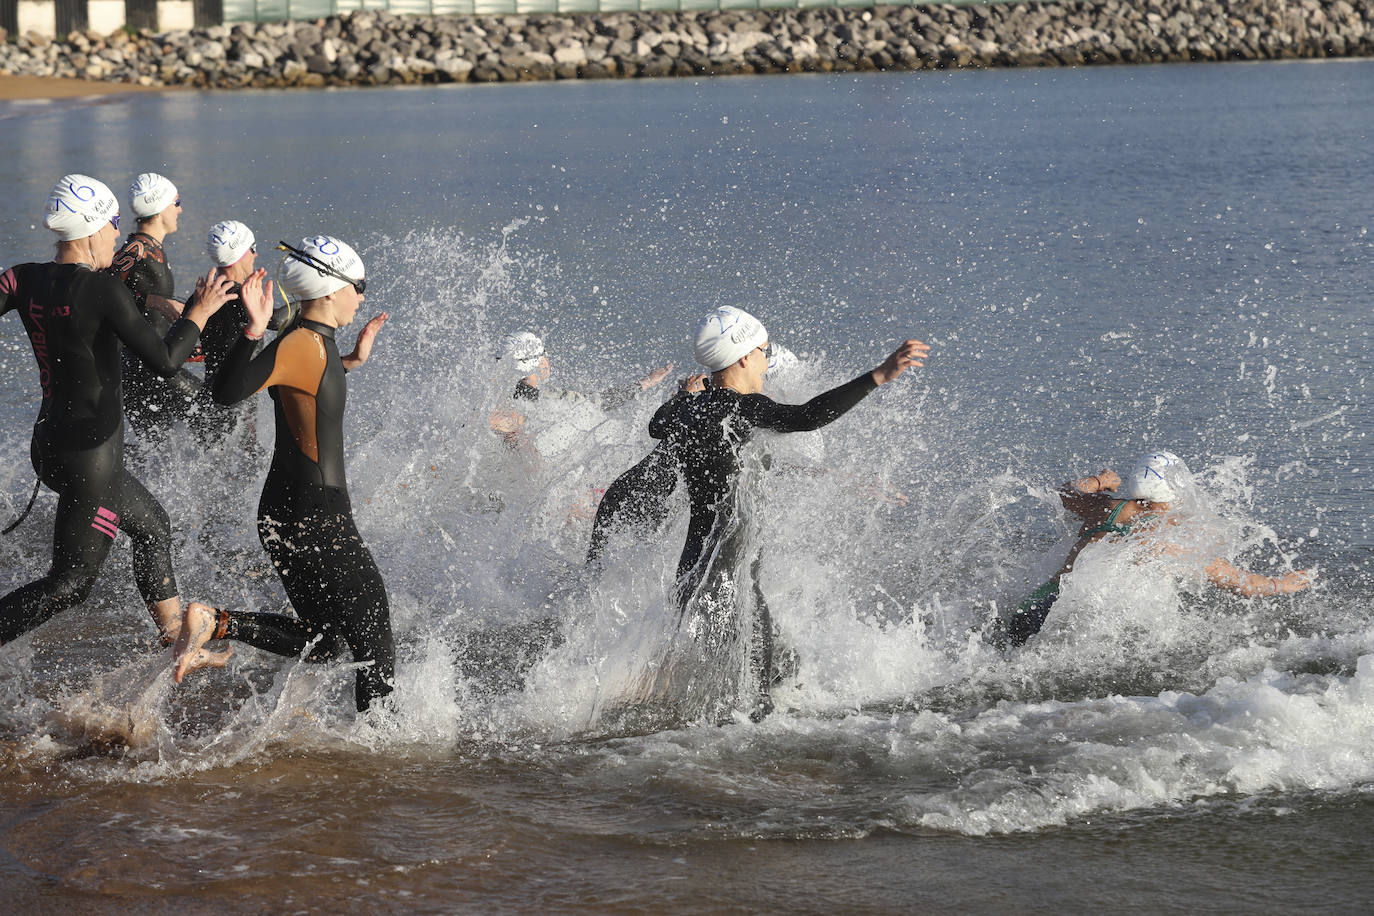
column 375, row 48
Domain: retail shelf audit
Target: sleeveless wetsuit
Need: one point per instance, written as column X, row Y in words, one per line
column 1031, row 613
column 152, row 403
column 76, row 320
column 703, row 433
column 305, row 520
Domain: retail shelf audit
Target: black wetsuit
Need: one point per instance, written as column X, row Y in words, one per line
column 636, row 499
column 703, row 434
column 305, row 520
column 76, row 320
column 210, row 420
column 608, row 399
column 152, row 402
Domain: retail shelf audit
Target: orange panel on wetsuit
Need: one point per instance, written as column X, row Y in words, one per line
column 305, row 377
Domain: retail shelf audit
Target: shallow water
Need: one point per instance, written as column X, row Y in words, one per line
column 1104, row 261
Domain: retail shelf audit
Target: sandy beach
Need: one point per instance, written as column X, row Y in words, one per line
column 17, row 88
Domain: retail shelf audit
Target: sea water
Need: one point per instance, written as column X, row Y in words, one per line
column 1104, row 261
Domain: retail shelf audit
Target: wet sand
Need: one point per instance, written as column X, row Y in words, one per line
column 27, row 88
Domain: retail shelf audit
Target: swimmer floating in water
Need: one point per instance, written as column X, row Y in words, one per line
column 305, row 519
column 704, row 435
column 1111, row 509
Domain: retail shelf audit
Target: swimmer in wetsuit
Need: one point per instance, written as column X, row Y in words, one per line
column 151, row 402
column 1113, row 510
column 77, row 317
column 705, row 434
column 305, row 520
column 234, row 249
column 639, row 497
column 525, row 354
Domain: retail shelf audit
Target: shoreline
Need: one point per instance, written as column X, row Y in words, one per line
column 378, row 48
column 54, row 88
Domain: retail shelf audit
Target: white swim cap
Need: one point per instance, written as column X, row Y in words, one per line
column 150, row 194
column 322, row 265
column 780, row 359
column 1151, row 478
column 228, row 242
column 524, row 350
column 727, row 335
column 79, row 206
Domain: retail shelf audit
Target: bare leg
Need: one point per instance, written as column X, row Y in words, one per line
column 167, row 615
column 197, row 628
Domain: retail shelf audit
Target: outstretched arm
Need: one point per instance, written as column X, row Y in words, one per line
column 1226, row 575
column 1085, row 498
column 830, row 406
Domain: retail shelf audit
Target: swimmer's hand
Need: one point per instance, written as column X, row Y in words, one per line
column 505, row 421
column 1106, row 479
column 257, row 302
column 167, row 308
column 211, row 292
column 653, row 378
column 363, row 348
column 1295, row 581
column 910, row 353
column 693, row 383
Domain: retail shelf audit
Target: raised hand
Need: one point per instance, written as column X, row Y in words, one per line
column 653, row 378
column 257, row 301
column 693, row 383
column 212, row 291
column 910, row 353
column 363, row 348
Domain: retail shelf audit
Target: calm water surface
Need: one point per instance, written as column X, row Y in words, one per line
column 1105, row 261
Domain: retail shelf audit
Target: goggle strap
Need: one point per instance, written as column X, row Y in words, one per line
column 324, row 269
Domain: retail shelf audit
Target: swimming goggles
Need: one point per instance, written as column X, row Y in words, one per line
column 296, row 254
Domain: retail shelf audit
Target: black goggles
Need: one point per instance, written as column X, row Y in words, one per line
column 325, row 270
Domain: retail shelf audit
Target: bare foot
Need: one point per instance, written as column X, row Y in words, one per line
column 197, row 628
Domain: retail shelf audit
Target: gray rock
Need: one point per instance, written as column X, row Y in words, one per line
column 377, row 47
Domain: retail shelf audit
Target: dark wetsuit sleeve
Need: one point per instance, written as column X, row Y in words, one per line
column 294, row 361
column 141, row 281
column 663, row 419
column 242, row 376
column 163, row 356
column 765, row 413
